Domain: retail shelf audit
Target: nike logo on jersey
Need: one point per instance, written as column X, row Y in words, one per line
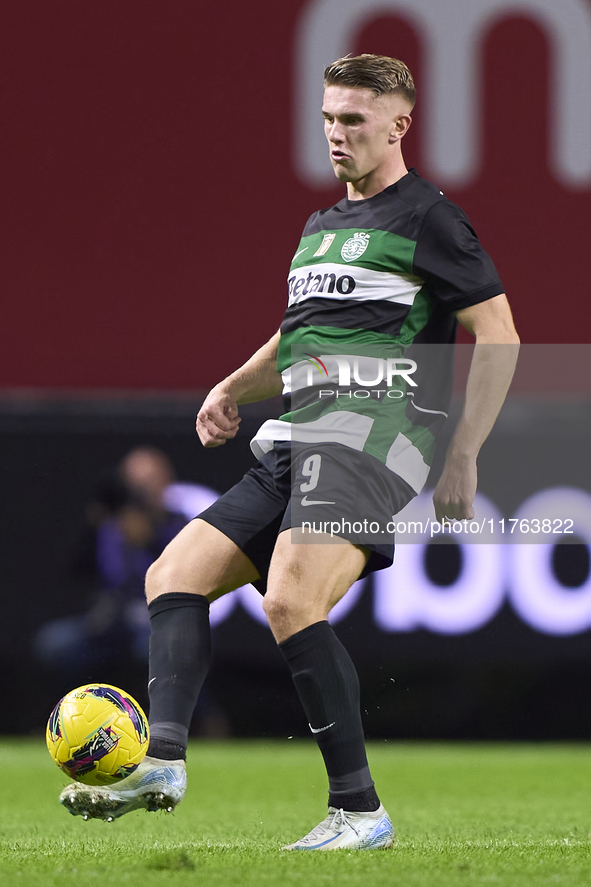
column 299, row 253
column 306, row 501
column 321, row 729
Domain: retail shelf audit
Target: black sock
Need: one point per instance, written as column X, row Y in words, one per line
column 180, row 652
column 167, row 751
column 328, row 687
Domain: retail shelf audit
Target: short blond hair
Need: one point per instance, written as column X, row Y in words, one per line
column 380, row 73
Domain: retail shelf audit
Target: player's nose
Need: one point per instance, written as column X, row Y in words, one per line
column 334, row 133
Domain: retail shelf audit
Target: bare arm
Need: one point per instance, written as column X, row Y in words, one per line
column 491, row 371
column 257, row 379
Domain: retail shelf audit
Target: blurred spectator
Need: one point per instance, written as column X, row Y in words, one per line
column 127, row 527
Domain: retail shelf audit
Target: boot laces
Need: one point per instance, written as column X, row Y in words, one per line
column 340, row 821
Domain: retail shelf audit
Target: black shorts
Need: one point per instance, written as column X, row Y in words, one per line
column 320, row 488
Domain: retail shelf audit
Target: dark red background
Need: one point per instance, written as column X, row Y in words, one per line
column 150, row 207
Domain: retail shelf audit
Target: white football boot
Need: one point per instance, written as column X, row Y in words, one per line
column 345, row 830
column 155, row 785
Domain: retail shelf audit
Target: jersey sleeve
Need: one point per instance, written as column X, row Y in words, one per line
column 451, row 261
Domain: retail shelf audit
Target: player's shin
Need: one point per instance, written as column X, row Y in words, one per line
column 180, row 653
column 328, row 687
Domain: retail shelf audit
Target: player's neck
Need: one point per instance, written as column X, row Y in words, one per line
column 376, row 181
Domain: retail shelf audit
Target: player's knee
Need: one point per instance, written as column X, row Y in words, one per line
column 273, row 608
column 173, row 574
column 154, row 580
column 283, row 613
column 165, row 576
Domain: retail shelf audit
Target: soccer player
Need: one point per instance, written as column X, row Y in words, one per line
column 394, row 265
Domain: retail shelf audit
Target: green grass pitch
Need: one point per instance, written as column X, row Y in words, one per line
column 465, row 814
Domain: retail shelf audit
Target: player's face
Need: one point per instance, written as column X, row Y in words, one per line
column 362, row 130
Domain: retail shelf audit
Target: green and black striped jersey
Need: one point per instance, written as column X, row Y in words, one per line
column 367, row 336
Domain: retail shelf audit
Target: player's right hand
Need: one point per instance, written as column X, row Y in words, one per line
column 218, row 419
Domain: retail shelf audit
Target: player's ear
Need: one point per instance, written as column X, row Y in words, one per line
column 400, row 126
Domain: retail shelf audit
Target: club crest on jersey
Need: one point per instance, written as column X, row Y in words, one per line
column 355, row 246
column 325, row 245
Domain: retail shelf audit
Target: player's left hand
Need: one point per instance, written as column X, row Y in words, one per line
column 454, row 494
